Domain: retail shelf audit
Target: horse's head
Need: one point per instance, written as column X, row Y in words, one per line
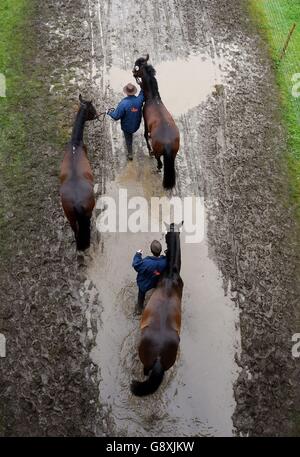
column 176, row 228
column 90, row 110
column 138, row 66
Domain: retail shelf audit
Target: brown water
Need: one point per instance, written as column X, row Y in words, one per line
column 196, row 396
column 194, row 76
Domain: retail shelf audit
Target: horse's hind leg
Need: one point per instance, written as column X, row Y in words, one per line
column 70, row 215
column 146, row 371
column 159, row 164
column 146, row 135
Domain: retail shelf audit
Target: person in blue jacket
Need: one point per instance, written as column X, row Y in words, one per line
column 129, row 110
column 149, row 270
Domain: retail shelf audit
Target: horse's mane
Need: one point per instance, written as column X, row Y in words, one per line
column 172, row 240
column 77, row 132
column 151, row 72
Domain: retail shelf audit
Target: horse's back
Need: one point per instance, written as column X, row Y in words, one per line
column 76, row 178
column 162, row 127
column 78, row 192
column 160, row 324
column 163, row 311
column 75, row 164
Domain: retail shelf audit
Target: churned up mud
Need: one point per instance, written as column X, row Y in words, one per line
column 69, row 319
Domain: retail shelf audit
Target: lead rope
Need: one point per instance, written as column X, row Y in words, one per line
column 101, row 116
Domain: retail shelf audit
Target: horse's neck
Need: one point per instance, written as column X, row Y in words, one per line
column 174, row 257
column 77, row 133
column 150, row 87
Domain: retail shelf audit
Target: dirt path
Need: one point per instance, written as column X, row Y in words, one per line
column 234, row 371
column 216, row 71
column 184, row 406
column 198, row 397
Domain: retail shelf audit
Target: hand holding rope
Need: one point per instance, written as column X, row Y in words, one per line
column 101, row 116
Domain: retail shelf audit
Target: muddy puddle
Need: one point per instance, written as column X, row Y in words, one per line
column 196, row 397
column 77, row 382
column 195, row 75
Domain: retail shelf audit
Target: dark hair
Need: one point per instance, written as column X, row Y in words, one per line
column 156, row 248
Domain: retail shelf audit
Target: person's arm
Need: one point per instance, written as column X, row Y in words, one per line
column 163, row 263
column 141, row 97
column 118, row 112
column 137, row 261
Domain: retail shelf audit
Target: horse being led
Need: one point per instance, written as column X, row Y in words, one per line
column 76, row 178
column 159, row 124
column 161, row 321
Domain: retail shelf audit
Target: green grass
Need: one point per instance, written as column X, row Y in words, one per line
column 14, row 15
column 275, row 19
column 16, row 38
column 29, row 124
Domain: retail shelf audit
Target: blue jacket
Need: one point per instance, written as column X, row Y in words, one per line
column 149, row 270
column 129, row 110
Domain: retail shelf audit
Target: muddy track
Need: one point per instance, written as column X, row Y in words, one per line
column 73, row 333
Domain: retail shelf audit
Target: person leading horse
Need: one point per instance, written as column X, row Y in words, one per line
column 160, row 127
column 161, row 321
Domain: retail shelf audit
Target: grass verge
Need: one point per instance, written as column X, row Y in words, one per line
column 275, row 19
column 29, row 127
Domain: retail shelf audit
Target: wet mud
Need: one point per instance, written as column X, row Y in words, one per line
column 197, row 396
column 234, row 373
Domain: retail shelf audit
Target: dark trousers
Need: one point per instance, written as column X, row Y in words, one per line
column 141, row 300
column 128, row 140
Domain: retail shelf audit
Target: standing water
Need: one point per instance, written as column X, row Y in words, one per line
column 196, row 396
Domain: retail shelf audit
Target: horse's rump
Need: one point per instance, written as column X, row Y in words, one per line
column 149, row 347
column 78, row 192
column 161, row 343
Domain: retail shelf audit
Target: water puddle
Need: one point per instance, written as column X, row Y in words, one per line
column 196, row 396
column 183, row 83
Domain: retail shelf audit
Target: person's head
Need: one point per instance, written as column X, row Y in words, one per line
column 156, row 248
column 130, row 89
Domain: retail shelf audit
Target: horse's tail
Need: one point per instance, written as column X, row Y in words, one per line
column 169, row 168
column 83, row 235
column 140, row 389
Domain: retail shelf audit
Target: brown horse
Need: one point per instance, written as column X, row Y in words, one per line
column 161, row 321
column 76, row 178
column 159, row 124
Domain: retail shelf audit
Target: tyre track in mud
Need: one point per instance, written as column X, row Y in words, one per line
column 236, row 166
